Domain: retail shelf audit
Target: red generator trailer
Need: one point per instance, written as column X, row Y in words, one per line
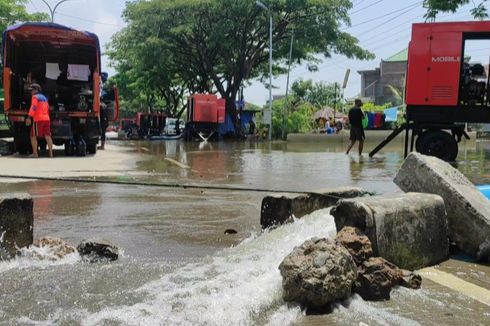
column 67, row 65
column 444, row 90
column 204, row 115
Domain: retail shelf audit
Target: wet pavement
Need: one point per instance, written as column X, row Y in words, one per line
column 178, row 266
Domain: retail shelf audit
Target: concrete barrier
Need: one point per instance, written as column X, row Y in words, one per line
column 468, row 210
column 16, row 221
column 278, row 209
column 409, row 230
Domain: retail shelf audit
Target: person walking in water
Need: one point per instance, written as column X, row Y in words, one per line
column 41, row 126
column 356, row 130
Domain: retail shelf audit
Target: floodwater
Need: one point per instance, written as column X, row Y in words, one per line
column 180, row 268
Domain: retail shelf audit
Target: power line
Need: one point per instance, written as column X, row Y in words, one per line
column 89, row 20
column 369, row 6
column 387, row 14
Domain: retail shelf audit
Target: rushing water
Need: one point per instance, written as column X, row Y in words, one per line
column 179, row 268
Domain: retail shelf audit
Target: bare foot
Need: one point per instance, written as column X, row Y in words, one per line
column 33, row 156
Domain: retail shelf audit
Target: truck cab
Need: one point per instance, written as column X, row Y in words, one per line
column 66, row 63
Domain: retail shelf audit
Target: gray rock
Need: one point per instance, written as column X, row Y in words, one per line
column 278, row 209
column 16, row 221
column 58, row 248
column 377, row 276
column 467, row 209
column 409, row 230
column 356, row 242
column 317, row 273
column 96, row 250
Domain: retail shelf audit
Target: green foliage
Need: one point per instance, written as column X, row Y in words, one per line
column 217, row 45
column 13, row 12
column 298, row 120
column 435, row 6
column 319, row 95
column 371, row 107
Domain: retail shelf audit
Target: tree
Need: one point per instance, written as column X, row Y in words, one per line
column 14, row 11
column 217, row 45
column 479, row 11
column 317, row 94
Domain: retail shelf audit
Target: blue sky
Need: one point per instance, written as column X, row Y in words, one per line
column 382, row 26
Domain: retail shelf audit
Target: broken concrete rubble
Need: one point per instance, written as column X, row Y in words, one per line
column 468, row 211
column 16, row 220
column 409, row 230
column 278, row 209
column 318, row 273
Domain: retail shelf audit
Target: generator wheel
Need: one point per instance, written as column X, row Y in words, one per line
column 437, row 143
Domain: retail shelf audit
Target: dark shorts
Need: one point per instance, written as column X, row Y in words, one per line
column 41, row 129
column 104, row 124
column 357, row 133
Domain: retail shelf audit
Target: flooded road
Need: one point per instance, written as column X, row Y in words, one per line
column 180, row 268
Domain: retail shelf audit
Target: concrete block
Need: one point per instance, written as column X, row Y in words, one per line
column 467, row 209
column 16, row 223
column 278, row 209
column 409, row 230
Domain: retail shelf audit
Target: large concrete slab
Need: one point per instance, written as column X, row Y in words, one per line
column 409, row 230
column 468, row 210
column 16, row 220
column 278, row 209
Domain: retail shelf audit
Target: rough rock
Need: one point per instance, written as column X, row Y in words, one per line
column 356, row 242
column 58, row 248
column 376, row 277
column 278, row 209
column 468, row 210
column 409, row 230
column 96, row 250
column 16, row 220
column 318, row 273
column 410, row 279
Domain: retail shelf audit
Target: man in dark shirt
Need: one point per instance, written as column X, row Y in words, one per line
column 356, row 130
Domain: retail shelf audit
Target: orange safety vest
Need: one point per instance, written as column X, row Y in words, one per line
column 39, row 108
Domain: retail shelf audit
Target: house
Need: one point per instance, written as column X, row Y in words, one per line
column 378, row 85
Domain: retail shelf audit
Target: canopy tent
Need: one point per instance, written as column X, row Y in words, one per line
column 325, row 114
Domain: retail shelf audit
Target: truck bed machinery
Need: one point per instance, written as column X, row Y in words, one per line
column 443, row 90
column 66, row 63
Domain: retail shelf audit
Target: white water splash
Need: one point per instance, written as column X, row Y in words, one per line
column 356, row 308
column 240, row 286
column 37, row 257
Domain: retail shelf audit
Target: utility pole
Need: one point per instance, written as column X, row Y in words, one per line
column 268, row 115
column 52, row 10
column 286, row 102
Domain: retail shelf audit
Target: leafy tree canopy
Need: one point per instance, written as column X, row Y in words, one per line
column 14, row 11
column 479, row 10
column 218, row 45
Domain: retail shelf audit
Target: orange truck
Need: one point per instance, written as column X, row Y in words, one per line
column 67, row 65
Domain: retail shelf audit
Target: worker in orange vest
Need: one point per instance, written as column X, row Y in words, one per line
column 39, row 112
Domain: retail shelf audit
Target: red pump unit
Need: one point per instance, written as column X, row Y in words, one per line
column 443, row 90
column 204, row 114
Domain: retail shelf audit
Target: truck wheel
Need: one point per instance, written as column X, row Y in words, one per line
column 22, row 145
column 92, row 147
column 437, row 143
column 69, row 148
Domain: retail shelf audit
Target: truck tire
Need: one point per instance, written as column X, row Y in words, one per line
column 22, row 145
column 70, row 148
column 437, row 143
column 92, row 147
